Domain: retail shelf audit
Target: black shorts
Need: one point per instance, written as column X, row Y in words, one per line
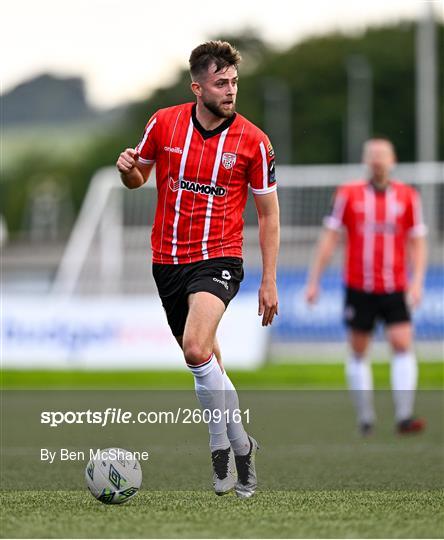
column 362, row 309
column 221, row 276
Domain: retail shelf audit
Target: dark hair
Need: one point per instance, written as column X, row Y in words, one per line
column 222, row 53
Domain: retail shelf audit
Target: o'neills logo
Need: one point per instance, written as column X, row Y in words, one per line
column 195, row 187
column 175, row 150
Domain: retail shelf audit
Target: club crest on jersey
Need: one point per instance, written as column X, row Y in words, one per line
column 228, row 160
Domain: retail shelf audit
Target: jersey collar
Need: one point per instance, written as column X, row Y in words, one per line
column 206, row 134
column 371, row 185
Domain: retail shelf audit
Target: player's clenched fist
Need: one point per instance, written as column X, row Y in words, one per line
column 127, row 160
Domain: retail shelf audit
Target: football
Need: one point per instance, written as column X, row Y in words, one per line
column 113, row 475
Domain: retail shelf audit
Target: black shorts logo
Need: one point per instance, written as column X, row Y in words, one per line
column 349, row 313
column 226, row 275
column 222, row 282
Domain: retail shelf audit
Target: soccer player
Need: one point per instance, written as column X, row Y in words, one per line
column 383, row 221
column 206, row 156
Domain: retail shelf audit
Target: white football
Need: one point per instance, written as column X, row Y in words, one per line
column 113, row 475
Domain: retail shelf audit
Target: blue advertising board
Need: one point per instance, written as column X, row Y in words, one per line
column 323, row 322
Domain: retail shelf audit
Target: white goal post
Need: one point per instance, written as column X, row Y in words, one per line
column 108, row 251
column 108, row 255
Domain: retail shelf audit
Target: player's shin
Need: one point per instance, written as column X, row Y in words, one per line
column 235, row 429
column 209, row 385
column 404, row 376
column 360, row 382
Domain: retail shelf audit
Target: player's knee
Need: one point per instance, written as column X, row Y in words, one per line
column 359, row 349
column 400, row 345
column 357, row 356
column 400, row 342
column 359, row 342
column 195, row 353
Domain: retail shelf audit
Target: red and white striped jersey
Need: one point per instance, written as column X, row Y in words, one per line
column 202, row 182
column 378, row 224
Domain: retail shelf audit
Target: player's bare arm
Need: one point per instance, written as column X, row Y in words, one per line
column 268, row 216
column 132, row 172
column 324, row 252
column 418, row 258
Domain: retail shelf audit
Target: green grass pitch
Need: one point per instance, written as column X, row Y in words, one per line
column 271, row 376
column 318, row 478
column 199, row 514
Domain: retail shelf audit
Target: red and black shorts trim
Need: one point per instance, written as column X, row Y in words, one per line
column 362, row 309
column 220, row 276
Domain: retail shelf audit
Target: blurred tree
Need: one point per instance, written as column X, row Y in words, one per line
column 313, row 73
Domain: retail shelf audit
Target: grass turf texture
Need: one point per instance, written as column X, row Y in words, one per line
column 270, row 376
column 199, row 514
column 333, row 483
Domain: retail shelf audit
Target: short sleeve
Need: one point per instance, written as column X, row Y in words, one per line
column 262, row 169
column 415, row 220
column 147, row 147
column 335, row 220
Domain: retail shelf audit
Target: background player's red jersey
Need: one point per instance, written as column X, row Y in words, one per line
column 378, row 224
column 202, row 181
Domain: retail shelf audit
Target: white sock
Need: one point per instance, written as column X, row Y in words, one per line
column 360, row 382
column 236, row 433
column 209, row 385
column 404, row 378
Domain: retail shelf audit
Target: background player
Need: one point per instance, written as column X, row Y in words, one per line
column 206, row 155
column 382, row 219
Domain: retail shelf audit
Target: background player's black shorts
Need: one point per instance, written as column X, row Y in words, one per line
column 363, row 309
column 221, row 276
